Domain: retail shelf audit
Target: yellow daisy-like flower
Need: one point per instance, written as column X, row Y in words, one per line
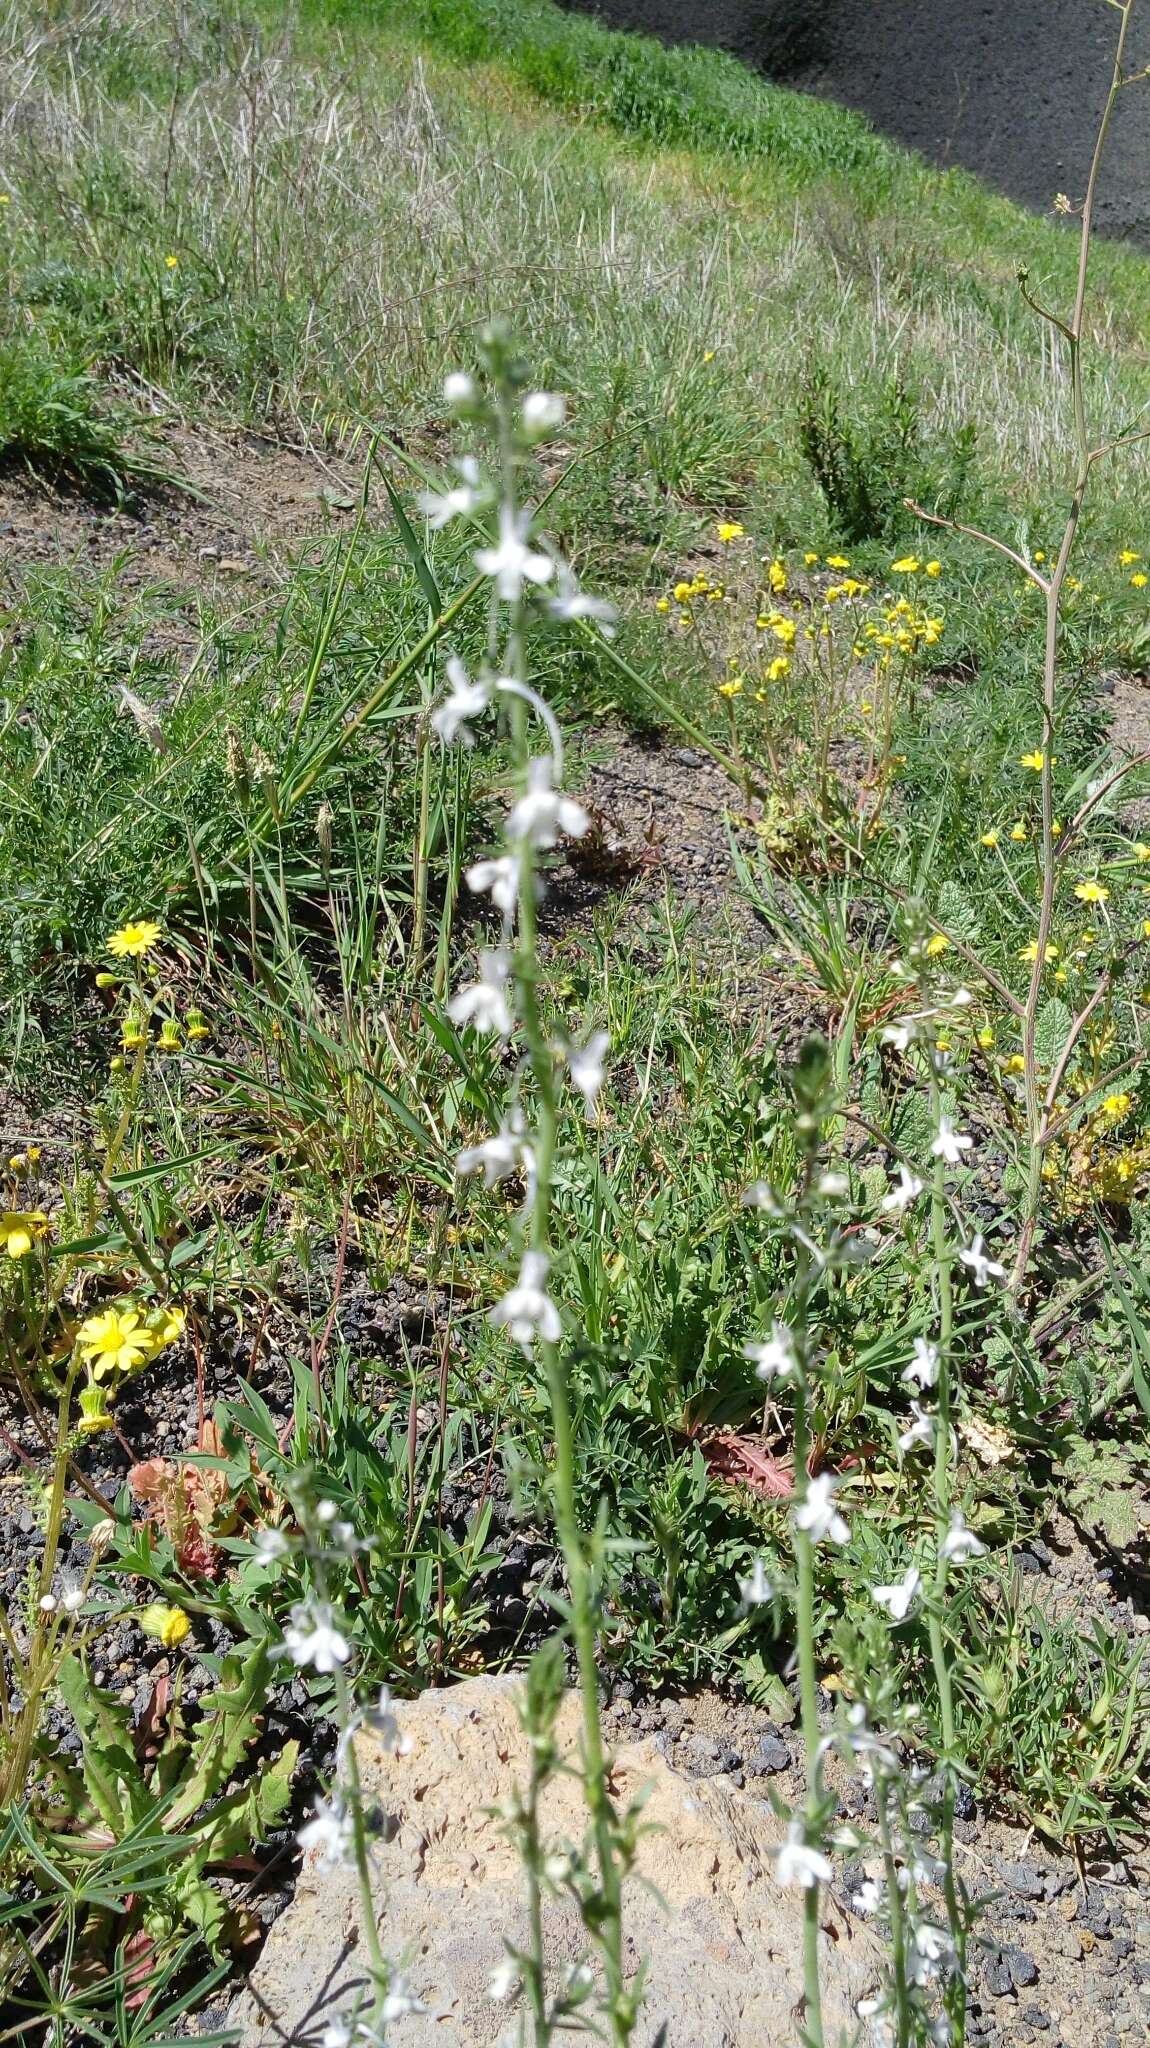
column 1036, row 759
column 1127, row 556
column 986, row 1038
column 133, row 941
column 906, row 565
column 1139, row 580
column 682, row 593
column 810, row 559
column 837, row 561
column 1016, row 1064
column 708, row 355
column 1030, row 953
column 778, row 668
column 1117, row 1105
column 730, row 529
column 115, row 1340
column 990, row 838
column 171, row 263
column 166, row 1625
column 662, row 604
column 934, row 568
column 936, row 944
column 1142, row 852
column 731, row 689
column 777, row 577
column 95, row 1413
column 1092, row 892
column 866, row 707
column 784, row 630
column 1018, row 832
column 19, row 1229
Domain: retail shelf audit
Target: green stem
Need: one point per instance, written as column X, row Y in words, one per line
column 956, row 1993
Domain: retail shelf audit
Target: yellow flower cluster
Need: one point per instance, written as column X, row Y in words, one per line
column 115, row 1342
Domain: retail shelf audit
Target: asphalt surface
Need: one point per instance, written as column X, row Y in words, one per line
column 1009, row 89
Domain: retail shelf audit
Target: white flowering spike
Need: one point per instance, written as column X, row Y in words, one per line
column 459, row 502
column 467, row 700
column 313, row 1638
column 923, row 1368
column 902, row 1034
column 498, row 878
column 543, row 411
column 960, row 1543
column 541, row 815
column 818, row 1515
column 585, row 1065
column 271, row 1544
column 833, row 1186
column 907, row 1190
column 796, row 1862
column 898, row 1599
column 458, row 389
column 921, row 1430
column 981, row 1268
column 527, row 1310
column 932, row 1952
column 756, row 1591
column 776, row 1359
column 483, row 1004
column 869, row 1896
column 326, row 1511
column 499, row 1156
column 950, row 1144
column 330, row 1831
column 400, row 2001
column 960, row 1000
column 571, row 603
column 513, row 563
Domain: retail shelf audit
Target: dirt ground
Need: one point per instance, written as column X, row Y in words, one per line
column 1012, row 92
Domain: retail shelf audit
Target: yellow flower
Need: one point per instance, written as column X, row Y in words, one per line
column 1016, row 1064
column 936, row 944
column 810, row 559
column 1127, row 556
column 1018, row 832
column 167, row 1326
column 1092, row 892
column 731, row 689
column 906, row 565
column 94, row 1410
column 198, row 1026
column 1116, row 1105
column 682, row 593
column 19, row 1229
column 777, row 577
column 1040, row 554
column 1139, row 580
column 784, row 630
column 837, row 561
column 990, row 838
column 866, row 707
column 708, row 355
column 133, row 1034
column 986, row 1038
column 171, row 262
column 1035, row 760
column 1030, row 953
column 1146, row 928
column 1142, row 852
column 778, row 668
column 730, row 529
column 134, row 940
column 166, row 1625
column 662, row 604
column 934, row 568
column 115, row 1340
column 169, row 1038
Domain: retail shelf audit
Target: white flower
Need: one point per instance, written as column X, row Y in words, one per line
column 513, row 563
column 483, row 1004
column 898, row 1599
column 400, row 2001
column 458, row 389
column 336, row 2034
column 467, row 700
column 755, row 1591
column 574, row 603
column 761, row 1195
column 500, row 878
column 902, row 1034
column 932, row 1950
column 923, row 1368
column 527, row 1310
column 543, row 411
column 982, row 1268
column 868, row 1897
column 271, row 1544
column 818, row 1515
column 960, row 1543
column 776, row 1359
column 330, row 1831
column 541, row 815
column 908, row 1190
column 72, row 1598
column 313, row 1637
column 380, row 1718
column 797, row 1863
column 326, row 1511
column 585, row 1065
column 960, row 1000
column 832, row 1186
column 921, row 1430
column 457, row 503
column 503, row 1982
column 499, row 1156
column 950, row 1144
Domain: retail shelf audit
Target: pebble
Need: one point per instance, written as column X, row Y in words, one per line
column 771, row 1756
column 1023, row 1968
column 1025, row 1880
